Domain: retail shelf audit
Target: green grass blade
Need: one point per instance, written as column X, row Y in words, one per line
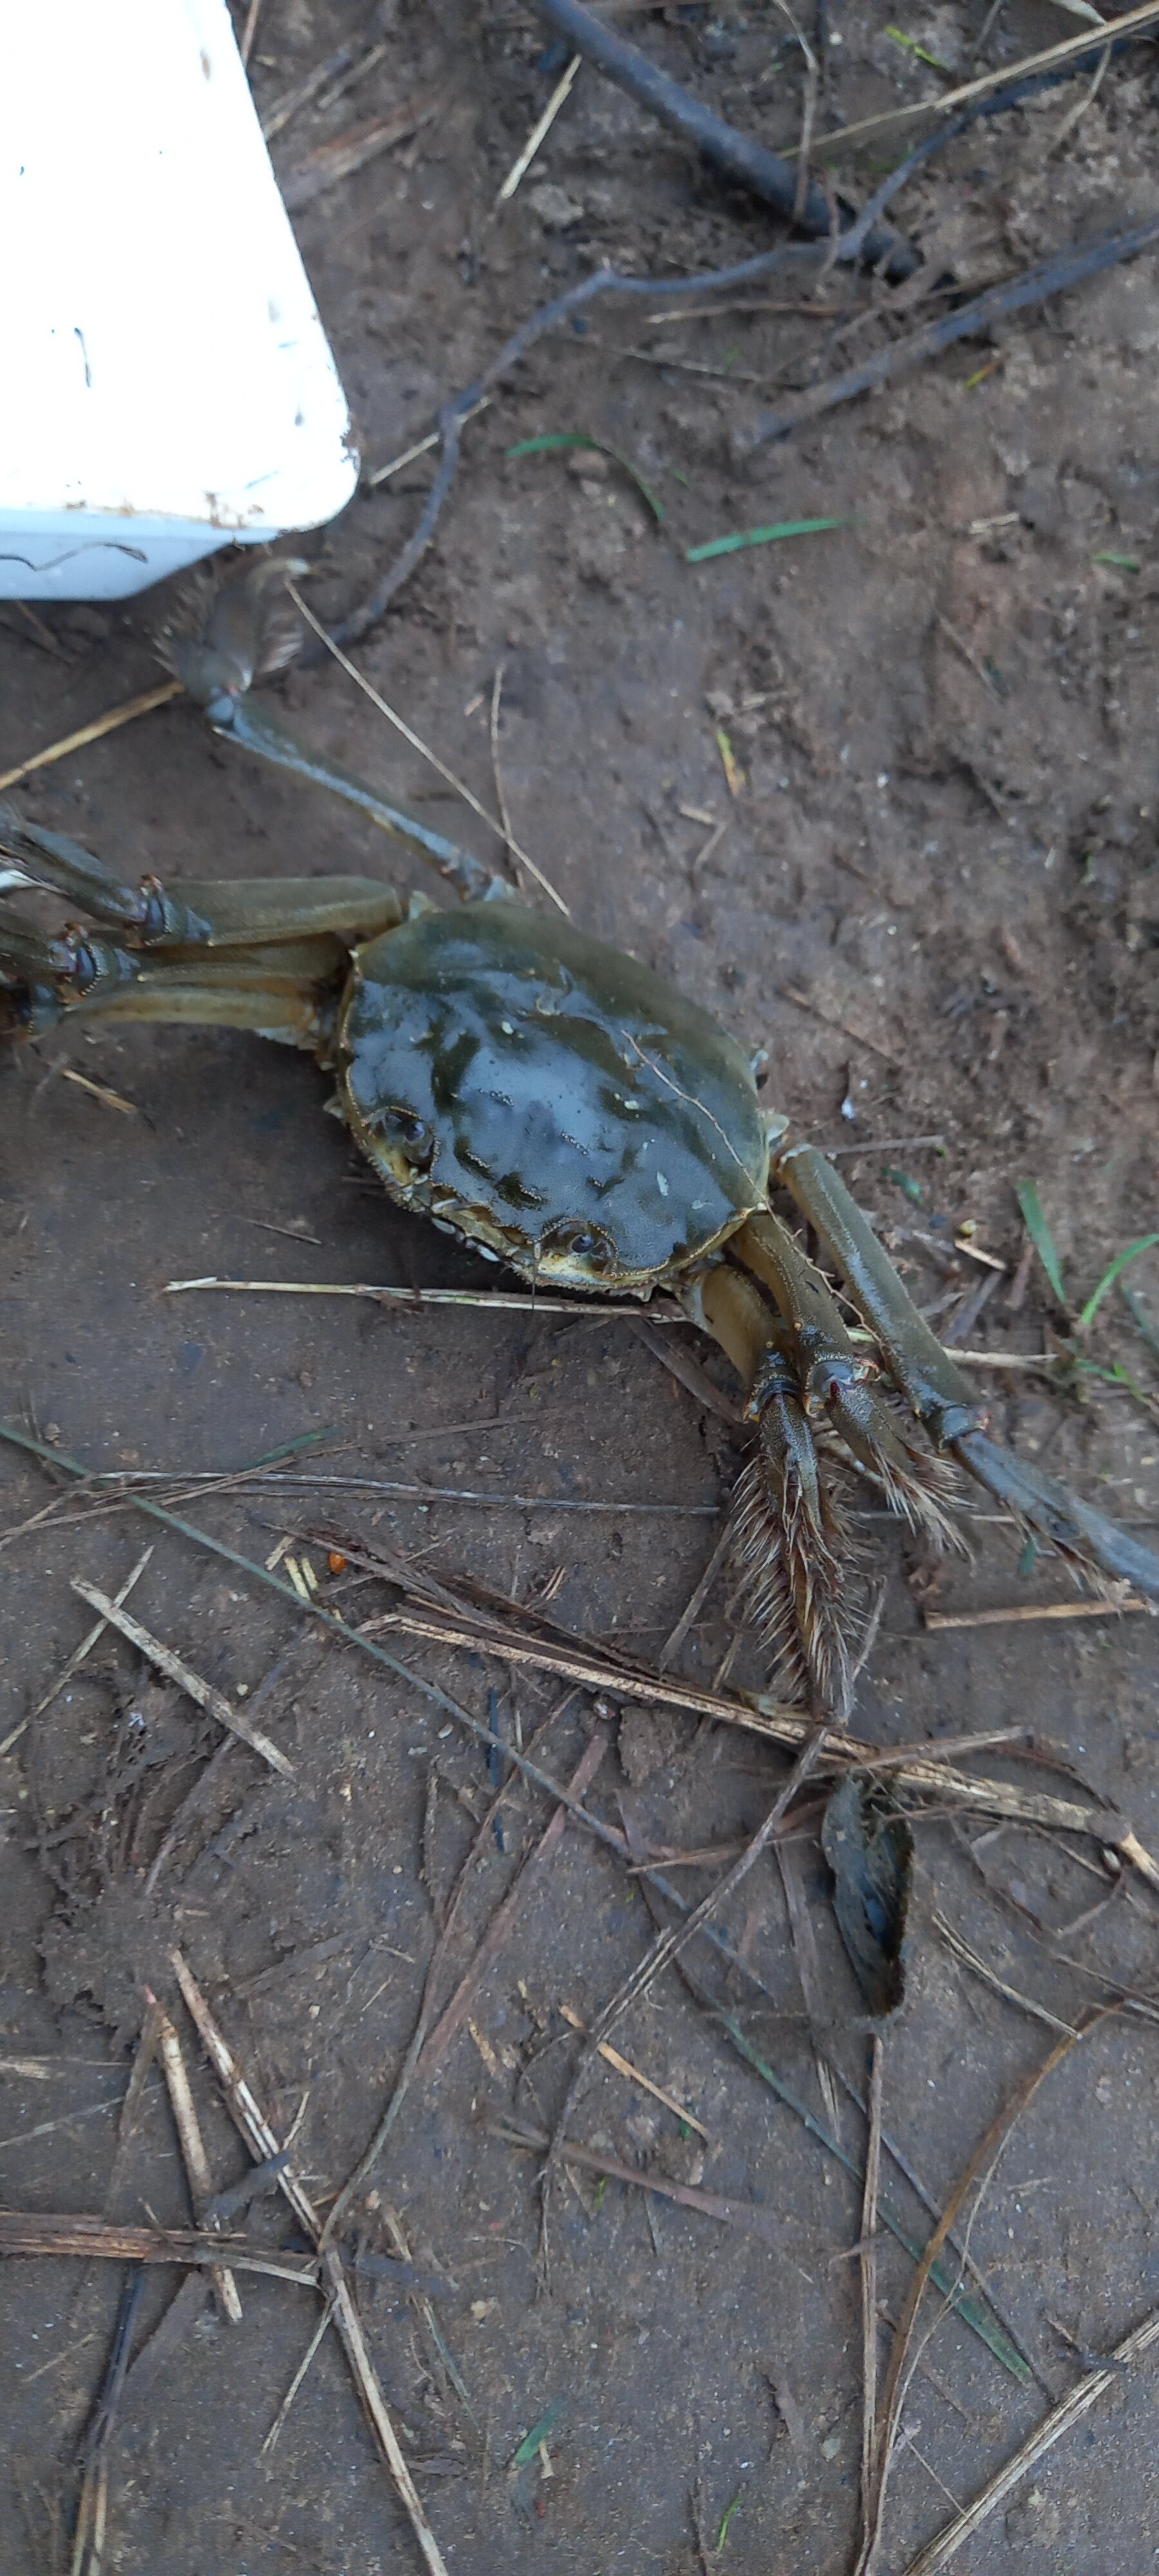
column 722, row 2534
column 1146, row 1243
column 523, row 2457
column 762, row 537
column 1041, row 1236
column 553, row 439
column 942, row 2275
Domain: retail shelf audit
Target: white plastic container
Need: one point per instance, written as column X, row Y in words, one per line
column 167, row 387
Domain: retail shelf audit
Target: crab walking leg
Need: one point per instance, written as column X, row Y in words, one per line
column 833, row 1377
column 235, row 719
column 226, row 913
column 32, row 857
column 939, row 1394
column 789, row 1542
column 270, row 957
column 243, row 635
column 87, row 980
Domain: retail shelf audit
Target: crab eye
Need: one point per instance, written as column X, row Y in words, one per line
column 581, row 1243
column 411, row 1135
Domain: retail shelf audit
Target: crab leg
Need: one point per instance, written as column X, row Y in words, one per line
column 789, row 1540
column 30, row 856
column 834, row 1381
column 227, row 913
column 940, row 1395
column 263, row 955
column 242, row 639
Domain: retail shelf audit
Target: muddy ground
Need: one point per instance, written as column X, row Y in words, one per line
column 934, row 900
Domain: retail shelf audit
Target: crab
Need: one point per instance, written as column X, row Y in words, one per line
column 562, row 1109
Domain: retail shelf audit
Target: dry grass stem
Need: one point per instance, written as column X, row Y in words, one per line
column 300, row 2374
column 502, row 1923
column 422, row 447
column 1023, row 1611
column 99, row 1091
column 423, row 2308
column 808, row 1964
column 110, row 722
column 88, row 2553
column 263, row 2144
column 1112, row 31
column 689, row 1371
column 192, row 2144
column 623, row 2066
column 695, row 1602
column 667, row 1947
column 91, row 2239
column 960, row 1949
column 205, row 1696
column 417, row 744
column 868, row 2256
column 539, row 132
column 78, row 1655
column 976, row 2167
column 920, row 1770
column 1069, row 2411
column 428, row 2046
column 750, row 2214
column 504, row 1300
column 347, row 153
column 496, row 763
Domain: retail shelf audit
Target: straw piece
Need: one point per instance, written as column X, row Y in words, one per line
column 77, row 1657
column 869, row 2283
column 1072, row 47
column 1026, row 1610
column 417, row 744
column 300, row 2374
column 110, row 722
column 193, row 2150
column 623, row 2066
column 539, row 132
column 977, row 2164
column 347, row 153
column 39, row 2232
column 917, row 1769
column 262, row 2143
column 212, row 1701
column 1077, row 2403
column 99, row 1091
column 504, row 1300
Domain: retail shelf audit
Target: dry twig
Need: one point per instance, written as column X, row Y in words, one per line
column 202, row 1693
column 95, row 732
column 1053, row 276
column 868, row 2253
column 192, row 2143
column 978, row 2165
column 1069, row 2411
column 77, row 1656
column 262, row 2143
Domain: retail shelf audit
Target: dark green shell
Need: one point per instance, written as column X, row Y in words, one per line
column 547, row 1097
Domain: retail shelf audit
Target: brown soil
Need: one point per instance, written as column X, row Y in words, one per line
column 935, row 901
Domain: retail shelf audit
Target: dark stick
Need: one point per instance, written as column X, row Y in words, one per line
column 1049, row 277
column 449, row 422
column 851, row 244
column 735, row 155
column 89, row 2537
